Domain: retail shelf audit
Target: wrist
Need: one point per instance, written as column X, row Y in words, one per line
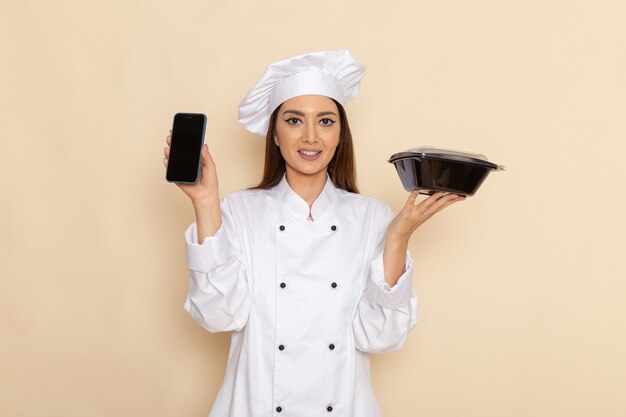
column 397, row 241
column 205, row 204
column 207, row 209
column 208, row 219
column 397, row 238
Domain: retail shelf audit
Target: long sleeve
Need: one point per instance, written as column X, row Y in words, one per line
column 384, row 314
column 219, row 295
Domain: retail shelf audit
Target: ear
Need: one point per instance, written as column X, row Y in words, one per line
column 276, row 140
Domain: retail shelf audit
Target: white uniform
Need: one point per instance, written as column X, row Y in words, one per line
column 305, row 301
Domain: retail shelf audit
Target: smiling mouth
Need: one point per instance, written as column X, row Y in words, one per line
column 309, row 153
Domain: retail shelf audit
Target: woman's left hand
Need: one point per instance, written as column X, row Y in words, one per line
column 404, row 224
column 413, row 215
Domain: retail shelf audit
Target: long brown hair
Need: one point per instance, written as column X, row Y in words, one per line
column 342, row 168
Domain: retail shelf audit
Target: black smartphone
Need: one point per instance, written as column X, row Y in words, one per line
column 183, row 164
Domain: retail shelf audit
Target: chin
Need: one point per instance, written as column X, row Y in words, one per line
column 310, row 170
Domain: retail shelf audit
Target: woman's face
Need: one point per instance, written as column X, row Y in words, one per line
column 307, row 133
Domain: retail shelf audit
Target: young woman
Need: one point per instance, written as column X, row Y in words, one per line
column 307, row 275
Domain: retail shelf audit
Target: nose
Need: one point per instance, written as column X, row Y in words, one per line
column 310, row 133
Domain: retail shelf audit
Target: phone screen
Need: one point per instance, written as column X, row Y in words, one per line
column 183, row 165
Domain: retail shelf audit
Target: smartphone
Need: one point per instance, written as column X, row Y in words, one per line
column 183, row 164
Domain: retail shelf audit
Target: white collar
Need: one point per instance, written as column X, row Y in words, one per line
column 299, row 208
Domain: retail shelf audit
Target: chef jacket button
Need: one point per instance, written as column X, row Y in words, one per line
column 281, row 347
column 282, row 227
column 331, row 346
column 333, row 227
column 279, row 409
column 334, row 285
column 329, row 408
column 283, row 285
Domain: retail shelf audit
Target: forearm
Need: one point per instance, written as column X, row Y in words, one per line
column 394, row 258
column 404, row 224
column 208, row 219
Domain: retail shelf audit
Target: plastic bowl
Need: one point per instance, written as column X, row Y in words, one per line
column 432, row 170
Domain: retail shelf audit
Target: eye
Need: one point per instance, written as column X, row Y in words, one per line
column 327, row 122
column 292, row 120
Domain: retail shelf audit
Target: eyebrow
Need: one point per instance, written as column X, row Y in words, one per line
column 299, row 113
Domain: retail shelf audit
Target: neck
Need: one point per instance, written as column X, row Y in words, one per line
column 309, row 187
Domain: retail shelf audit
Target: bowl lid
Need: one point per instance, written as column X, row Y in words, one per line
column 445, row 154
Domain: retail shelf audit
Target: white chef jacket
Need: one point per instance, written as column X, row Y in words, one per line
column 305, row 301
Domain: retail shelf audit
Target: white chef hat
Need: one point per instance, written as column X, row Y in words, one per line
column 335, row 74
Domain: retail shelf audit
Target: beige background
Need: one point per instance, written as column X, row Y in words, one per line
column 521, row 287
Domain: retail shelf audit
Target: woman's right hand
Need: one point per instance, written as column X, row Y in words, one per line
column 204, row 194
column 205, row 191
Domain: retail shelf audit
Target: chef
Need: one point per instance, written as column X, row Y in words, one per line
column 308, row 276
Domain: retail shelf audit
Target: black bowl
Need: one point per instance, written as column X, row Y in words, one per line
column 434, row 169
